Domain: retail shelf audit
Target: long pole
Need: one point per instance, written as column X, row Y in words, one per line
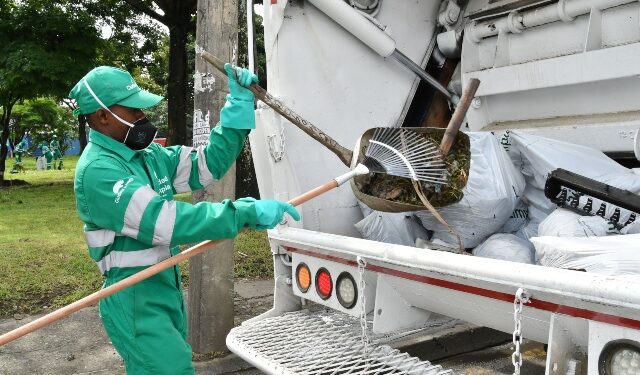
column 458, row 116
column 147, row 272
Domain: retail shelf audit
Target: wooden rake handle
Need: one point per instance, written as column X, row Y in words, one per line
column 343, row 153
column 458, row 115
column 142, row 275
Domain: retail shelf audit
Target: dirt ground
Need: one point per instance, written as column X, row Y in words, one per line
column 78, row 344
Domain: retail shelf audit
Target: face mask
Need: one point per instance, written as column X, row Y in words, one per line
column 140, row 134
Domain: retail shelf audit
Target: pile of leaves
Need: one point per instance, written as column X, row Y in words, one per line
column 399, row 189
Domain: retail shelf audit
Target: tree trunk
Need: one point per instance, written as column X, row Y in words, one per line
column 177, row 86
column 3, row 147
column 246, row 181
column 6, row 117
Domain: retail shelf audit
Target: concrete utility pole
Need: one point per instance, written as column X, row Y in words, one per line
column 211, row 273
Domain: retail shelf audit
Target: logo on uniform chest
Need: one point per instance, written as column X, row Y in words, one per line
column 162, row 180
column 163, row 186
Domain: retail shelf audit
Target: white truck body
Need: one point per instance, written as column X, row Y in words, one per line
column 567, row 70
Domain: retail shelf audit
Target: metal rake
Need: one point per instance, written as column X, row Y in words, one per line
column 404, row 153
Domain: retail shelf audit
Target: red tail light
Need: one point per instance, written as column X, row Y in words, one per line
column 324, row 284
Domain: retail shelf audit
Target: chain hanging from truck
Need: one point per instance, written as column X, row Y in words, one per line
column 362, row 264
column 276, row 151
column 522, row 297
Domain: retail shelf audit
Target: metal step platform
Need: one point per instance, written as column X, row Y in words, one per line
column 311, row 343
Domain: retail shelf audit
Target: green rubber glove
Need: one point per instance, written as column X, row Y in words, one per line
column 271, row 212
column 237, row 112
column 239, row 81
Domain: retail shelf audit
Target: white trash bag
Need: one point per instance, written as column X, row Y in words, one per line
column 566, row 223
column 506, row 247
column 396, row 228
column 610, row 255
column 633, row 228
column 524, row 220
column 518, row 219
column 41, row 163
column 491, row 194
column 536, row 157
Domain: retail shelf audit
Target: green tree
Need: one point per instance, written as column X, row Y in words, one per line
column 32, row 115
column 129, row 41
column 179, row 17
column 42, row 118
column 45, row 47
column 156, row 80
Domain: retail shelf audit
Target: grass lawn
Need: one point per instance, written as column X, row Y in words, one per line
column 43, row 257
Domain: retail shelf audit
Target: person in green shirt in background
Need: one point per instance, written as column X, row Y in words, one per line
column 124, row 186
column 18, row 151
column 55, row 151
column 46, row 153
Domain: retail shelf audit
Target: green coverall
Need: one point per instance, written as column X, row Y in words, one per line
column 57, row 155
column 125, row 199
column 46, row 152
column 19, row 150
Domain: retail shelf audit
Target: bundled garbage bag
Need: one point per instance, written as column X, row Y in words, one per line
column 536, row 157
column 506, row 247
column 366, row 210
column 524, row 221
column 633, row 228
column 518, row 219
column 491, row 194
column 396, row 228
column 566, row 223
column 41, row 163
column 610, row 255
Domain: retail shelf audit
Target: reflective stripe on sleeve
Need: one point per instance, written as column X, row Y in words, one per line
column 181, row 180
column 205, row 175
column 100, row 237
column 139, row 258
column 133, row 214
column 163, row 230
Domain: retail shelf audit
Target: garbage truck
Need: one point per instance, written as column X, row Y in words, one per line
column 559, row 89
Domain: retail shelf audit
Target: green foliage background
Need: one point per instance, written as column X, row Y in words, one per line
column 44, row 262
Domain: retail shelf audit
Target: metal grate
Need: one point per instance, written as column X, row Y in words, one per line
column 347, row 322
column 302, row 343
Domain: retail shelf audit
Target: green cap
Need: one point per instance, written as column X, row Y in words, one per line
column 111, row 86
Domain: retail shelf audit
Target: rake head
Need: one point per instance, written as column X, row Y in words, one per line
column 403, row 153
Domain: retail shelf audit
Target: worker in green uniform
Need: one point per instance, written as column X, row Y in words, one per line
column 18, row 151
column 46, row 152
column 54, row 145
column 124, row 186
